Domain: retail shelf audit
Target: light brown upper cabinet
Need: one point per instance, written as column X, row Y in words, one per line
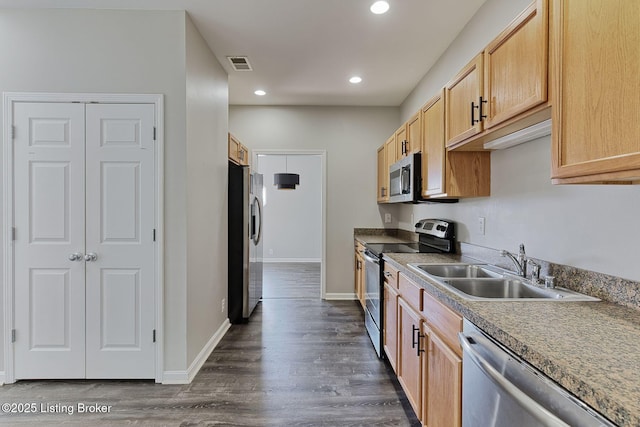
column 401, row 142
column 465, row 103
column 515, row 66
column 383, row 175
column 504, row 88
column 595, row 69
column 238, row 153
column 391, row 153
column 453, row 174
column 408, row 137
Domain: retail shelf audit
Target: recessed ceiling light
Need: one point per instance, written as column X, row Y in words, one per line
column 260, row 92
column 355, row 79
column 379, row 7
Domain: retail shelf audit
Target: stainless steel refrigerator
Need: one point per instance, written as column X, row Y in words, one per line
column 245, row 242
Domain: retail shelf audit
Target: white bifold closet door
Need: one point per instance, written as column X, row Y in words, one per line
column 84, row 256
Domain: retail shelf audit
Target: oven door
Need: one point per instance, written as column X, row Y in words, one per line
column 372, row 286
column 373, row 313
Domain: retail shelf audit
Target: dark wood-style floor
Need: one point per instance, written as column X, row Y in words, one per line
column 300, row 361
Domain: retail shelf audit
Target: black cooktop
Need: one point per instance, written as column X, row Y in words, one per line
column 409, row 248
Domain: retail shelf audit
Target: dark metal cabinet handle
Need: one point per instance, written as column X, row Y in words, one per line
column 473, row 114
column 413, row 336
column 478, row 107
column 417, row 337
column 482, row 116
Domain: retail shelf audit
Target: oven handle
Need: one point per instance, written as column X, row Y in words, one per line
column 367, row 256
column 534, row 408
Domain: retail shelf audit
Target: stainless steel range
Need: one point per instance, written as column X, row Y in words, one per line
column 434, row 236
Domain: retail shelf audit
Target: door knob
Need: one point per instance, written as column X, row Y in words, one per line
column 91, row 256
column 76, row 256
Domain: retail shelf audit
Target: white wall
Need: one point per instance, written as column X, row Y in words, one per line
column 207, row 121
column 72, row 50
column 350, row 135
column 586, row 226
column 292, row 218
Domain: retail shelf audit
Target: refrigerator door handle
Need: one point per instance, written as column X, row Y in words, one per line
column 256, row 237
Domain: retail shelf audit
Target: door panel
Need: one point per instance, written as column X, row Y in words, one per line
column 120, row 182
column 49, row 220
column 49, row 303
column 120, row 223
column 120, row 309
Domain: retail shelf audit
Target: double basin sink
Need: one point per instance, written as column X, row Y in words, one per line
column 486, row 282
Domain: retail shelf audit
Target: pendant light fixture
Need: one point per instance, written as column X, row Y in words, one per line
column 286, row 181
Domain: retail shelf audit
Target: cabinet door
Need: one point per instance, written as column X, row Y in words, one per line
column 243, row 155
column 391, row 154
column 409, row 355
column 360, row 279
column 595, row 64
column 401, row 143
column 390, row 325
column 414, row 134
column 234, row 147
column 383, row 175
column 443, row 389
column 433, row 150
column 462, row 102
column 515, row 66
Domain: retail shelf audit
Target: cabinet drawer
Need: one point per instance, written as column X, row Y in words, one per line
column 410, row 291
column 446, row 322
column 391, row 275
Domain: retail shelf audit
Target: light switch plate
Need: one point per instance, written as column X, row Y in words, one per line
column 481, row 221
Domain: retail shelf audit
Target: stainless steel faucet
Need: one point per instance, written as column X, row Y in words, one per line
column 520, row 262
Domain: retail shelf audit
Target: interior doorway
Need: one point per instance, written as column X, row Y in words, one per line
column 294, row 224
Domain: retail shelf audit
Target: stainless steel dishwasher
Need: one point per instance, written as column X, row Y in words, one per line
column 501, row 390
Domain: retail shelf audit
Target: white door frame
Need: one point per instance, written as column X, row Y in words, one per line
column 323, row 201
column 9, row 98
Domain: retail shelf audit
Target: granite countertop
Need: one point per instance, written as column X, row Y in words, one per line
column 590, row 348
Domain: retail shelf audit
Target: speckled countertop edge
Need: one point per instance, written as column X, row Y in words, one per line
column 590, row 348
column 365, row 236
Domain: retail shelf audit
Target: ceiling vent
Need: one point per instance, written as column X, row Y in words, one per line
column 240, row 63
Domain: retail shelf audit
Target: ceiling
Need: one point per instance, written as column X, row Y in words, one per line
column 303, row 52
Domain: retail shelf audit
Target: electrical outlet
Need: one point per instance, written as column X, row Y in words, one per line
column 481, row 221
column 387, row 218
column 270, row 251
column 224, row 300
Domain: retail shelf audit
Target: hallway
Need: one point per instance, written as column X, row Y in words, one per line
column 299, row 361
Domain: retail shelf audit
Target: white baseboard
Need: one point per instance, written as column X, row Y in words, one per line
column 274, row 260
column 185, row 377
column 340, row 296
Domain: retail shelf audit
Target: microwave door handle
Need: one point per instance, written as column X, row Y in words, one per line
column 405, row 175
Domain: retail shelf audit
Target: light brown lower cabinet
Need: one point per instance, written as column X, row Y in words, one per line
column 427, row 357
column 442, row 387
column 359, row 273
column 409, row 355
column 389, row 332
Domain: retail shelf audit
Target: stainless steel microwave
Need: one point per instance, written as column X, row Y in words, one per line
column 404, row 180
